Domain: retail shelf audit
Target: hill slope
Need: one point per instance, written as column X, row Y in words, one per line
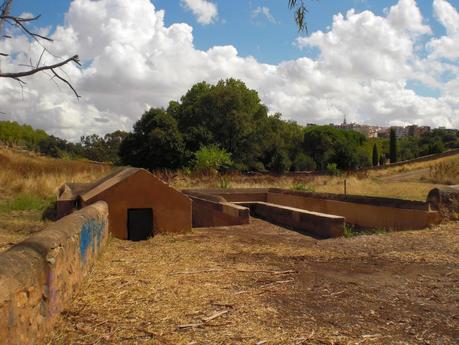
column 28, row 184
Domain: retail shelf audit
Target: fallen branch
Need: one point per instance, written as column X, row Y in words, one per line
column 204, row 320
column 195, row 272
column 278, row 282
column 270, row 272
column 210, row 318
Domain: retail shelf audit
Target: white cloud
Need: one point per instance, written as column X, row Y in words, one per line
column 406, row 16
column 205, row 11
column 133, row 61
column 446, row 46
column 265, row 12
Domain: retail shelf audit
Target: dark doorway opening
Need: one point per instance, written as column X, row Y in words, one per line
column 140, row 224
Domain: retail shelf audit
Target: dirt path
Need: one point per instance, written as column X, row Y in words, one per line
column 267, row 285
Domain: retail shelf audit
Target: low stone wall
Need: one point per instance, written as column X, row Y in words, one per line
column 211, row 210
column 366, row 212
column 427, row 158
column 314, row 223
column 234, row 194
column 39, row 276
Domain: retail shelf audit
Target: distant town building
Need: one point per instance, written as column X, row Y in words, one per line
column 417, row 131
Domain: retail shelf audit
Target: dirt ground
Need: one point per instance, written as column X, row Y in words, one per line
column 262, row 284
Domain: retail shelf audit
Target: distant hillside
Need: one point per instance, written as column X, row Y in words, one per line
column 23, row 172
column 12, row 133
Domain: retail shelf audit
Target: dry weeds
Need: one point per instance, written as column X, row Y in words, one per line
column 267, row 285
column 25, row 172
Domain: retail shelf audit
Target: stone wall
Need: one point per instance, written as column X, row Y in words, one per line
column 39, row 276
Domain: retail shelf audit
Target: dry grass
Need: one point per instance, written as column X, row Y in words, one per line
column 410, row 181
column 446, row 172
column 269, row 286
column 23, row 172
column 28, row 183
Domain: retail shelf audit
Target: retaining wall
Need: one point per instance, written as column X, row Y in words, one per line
column 39, row 276
column 363, row 211
column 212, row 210
column 367, row 212
column 314, row 223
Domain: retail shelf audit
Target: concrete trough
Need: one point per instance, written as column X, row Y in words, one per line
column 361, row 211
column 317, row 224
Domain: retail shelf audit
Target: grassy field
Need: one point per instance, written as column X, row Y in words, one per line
column 411, row 181
column 28, row 185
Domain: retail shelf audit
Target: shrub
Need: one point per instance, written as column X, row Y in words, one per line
column 224, row 182
column 332, row 169
column 211, row 158
column 302, row 187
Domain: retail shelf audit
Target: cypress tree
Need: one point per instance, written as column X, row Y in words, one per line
column 393, row 146
column 375, row 155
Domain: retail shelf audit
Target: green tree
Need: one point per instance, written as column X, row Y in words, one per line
column 304, row 162
column 227, row 114
column 393, row 146
column 156, row 142
column 327, row 144
column 375, row 155
column 280, row 162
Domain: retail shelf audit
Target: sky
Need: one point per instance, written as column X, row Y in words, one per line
column 381, row 62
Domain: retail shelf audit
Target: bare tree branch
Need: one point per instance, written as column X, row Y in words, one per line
column 66, row 82
column 20, row 23
column 30, row 72
column 5, row 9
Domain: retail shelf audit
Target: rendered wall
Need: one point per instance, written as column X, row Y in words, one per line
column 235, row 195
column 364, row 212
column 210, row 213
column 39, row 276
column 314, row 223
column 171, row 208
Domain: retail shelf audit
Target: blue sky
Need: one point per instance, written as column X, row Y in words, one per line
column 389, row 62
column 267, row 41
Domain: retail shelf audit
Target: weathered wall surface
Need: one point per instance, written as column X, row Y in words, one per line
column 317, row 224
column 209, row 213
column 366, row 212
column 39, row 276
column 171, row 208
column 235, row 195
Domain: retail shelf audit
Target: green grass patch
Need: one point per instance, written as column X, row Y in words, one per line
column 302, row 187
column 351, row 231
column 25, row 202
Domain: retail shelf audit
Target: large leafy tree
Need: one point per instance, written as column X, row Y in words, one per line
column 156, row 142
column 227, row 114
column 327, row 144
